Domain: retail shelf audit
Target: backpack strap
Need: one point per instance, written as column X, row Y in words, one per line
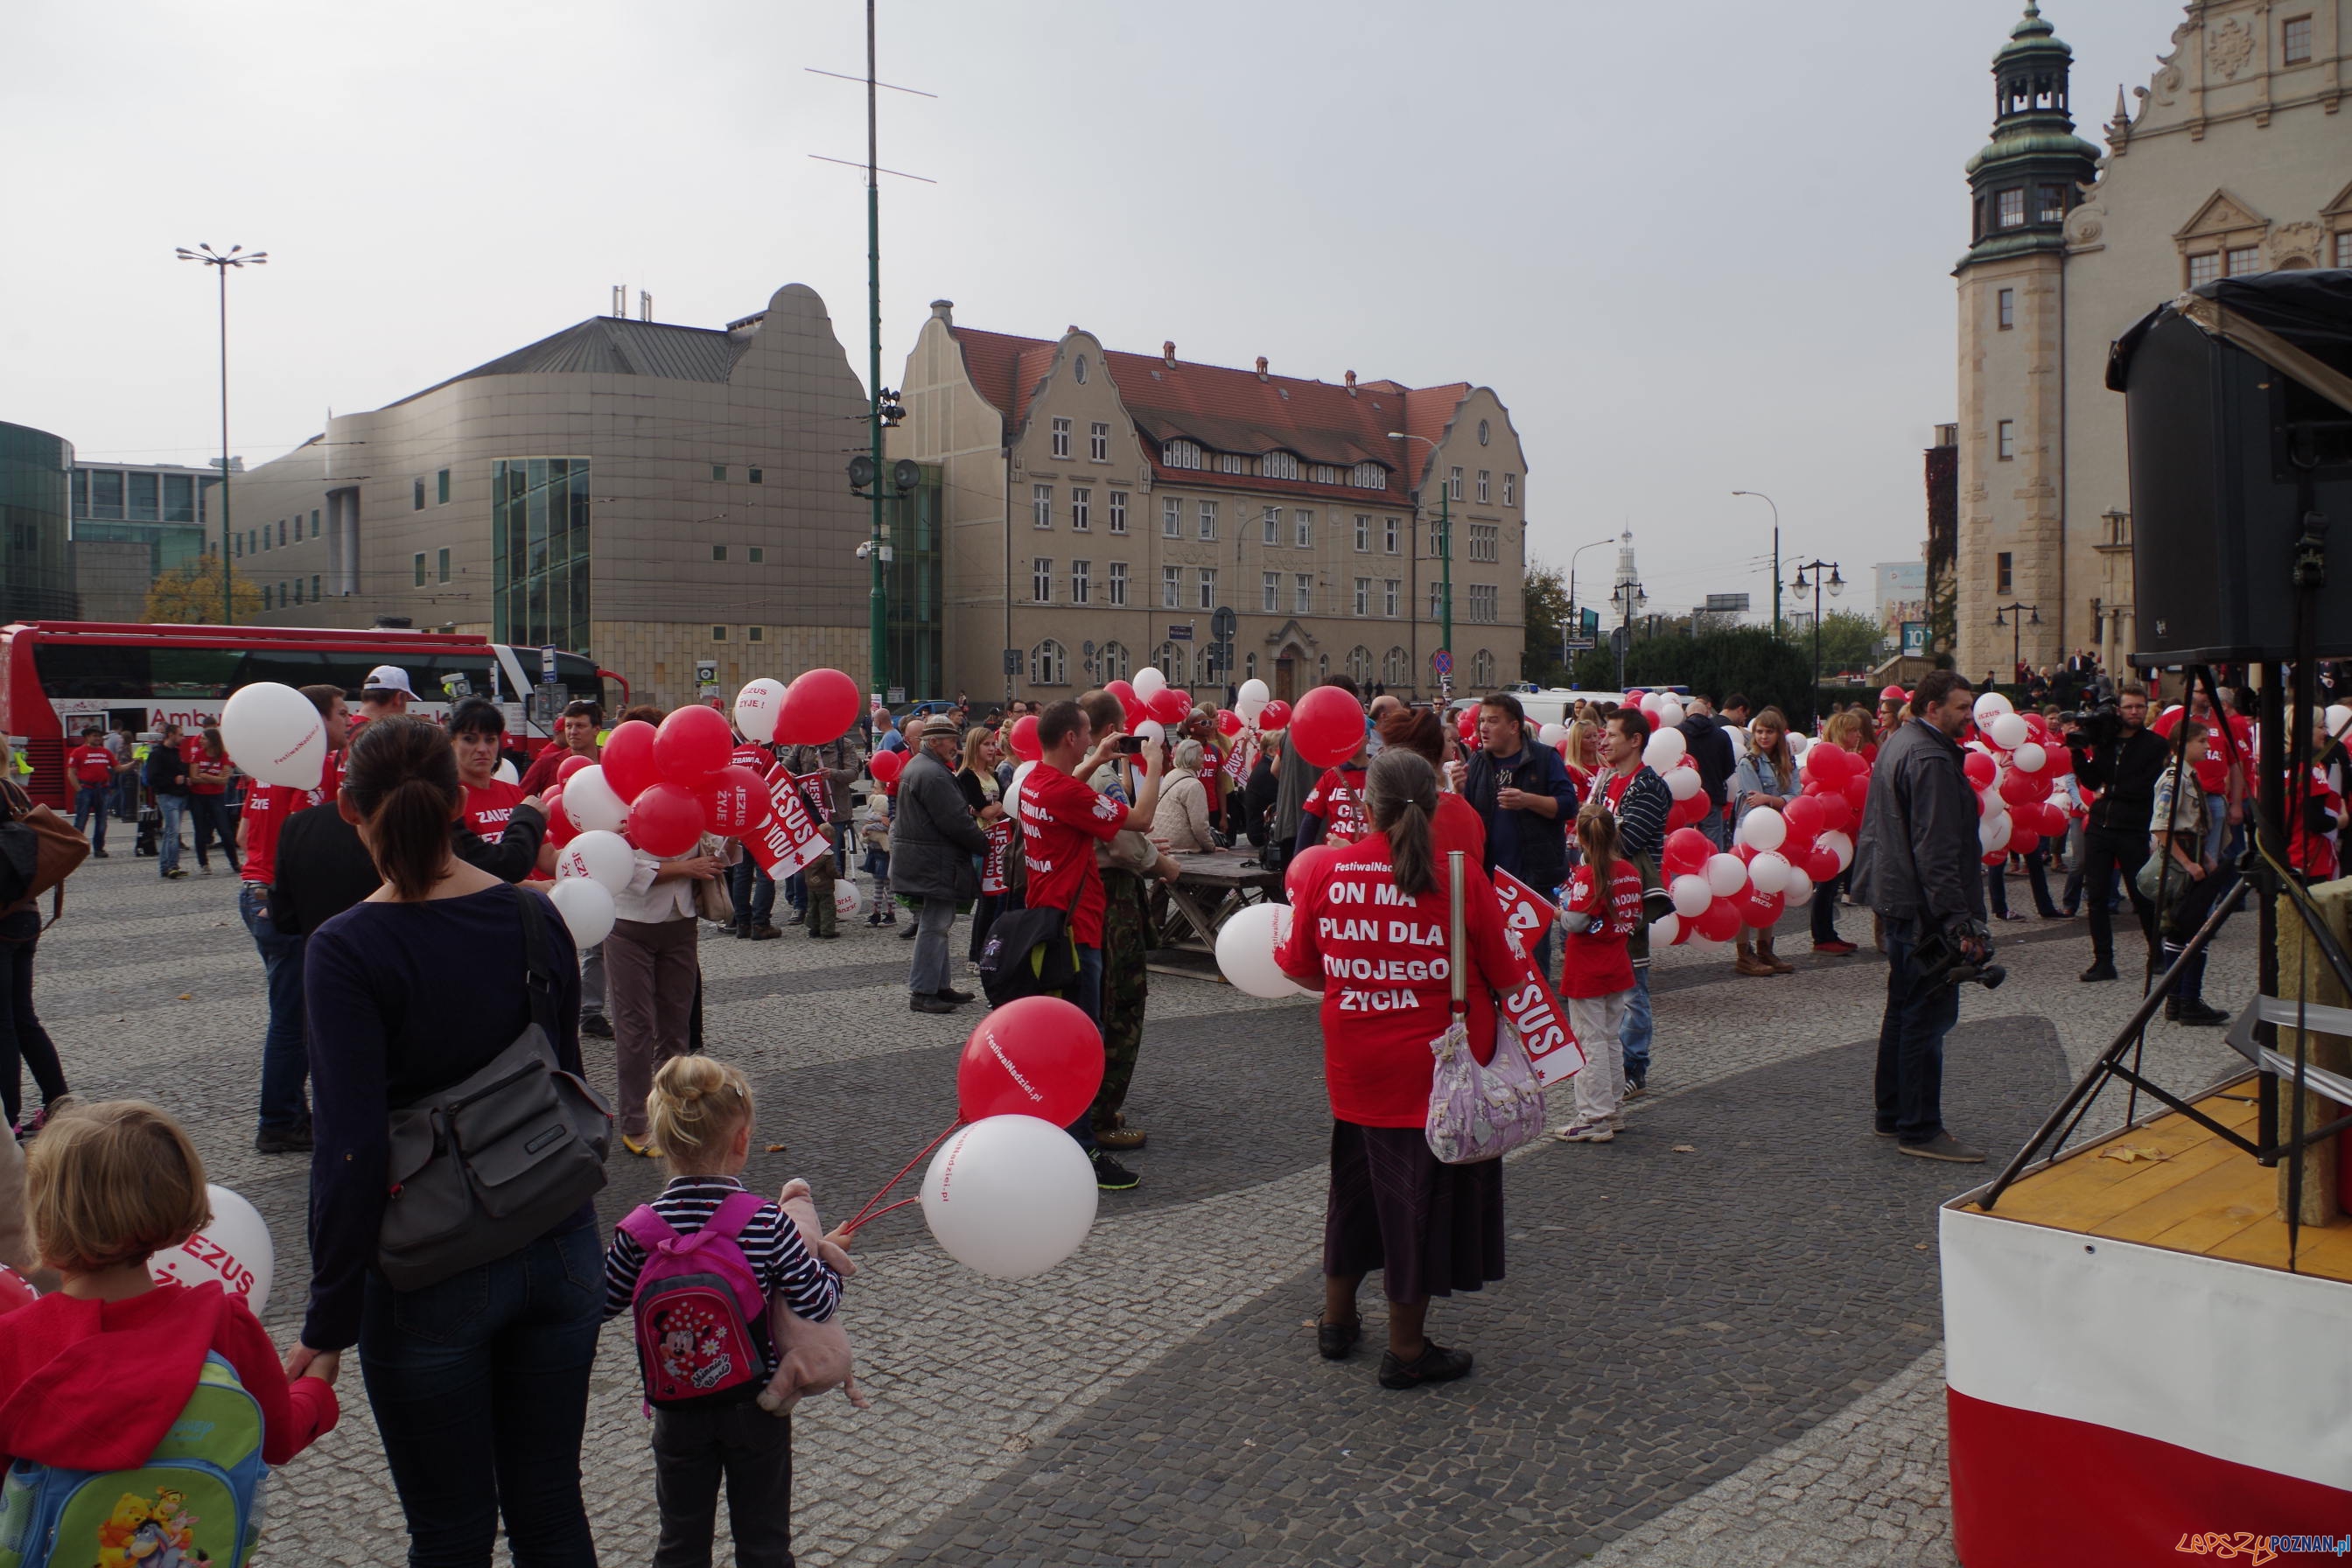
column 539, row 970
column 737, row 1211
column 646, row 1227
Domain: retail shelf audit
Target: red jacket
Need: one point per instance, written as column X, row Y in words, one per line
column 94, row 1386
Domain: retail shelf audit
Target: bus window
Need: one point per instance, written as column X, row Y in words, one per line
column 289, row 666
column 81, row 671
column 193, row 673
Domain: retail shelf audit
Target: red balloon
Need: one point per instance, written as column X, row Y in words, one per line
column 2019, row 789
column 1803, row 815
column 1039, row 1056
column 736, row 801
column 820, row 705
column 1796, row 848
column 16, row 1291
column 1998, row 858
column 2022, row 842
column 1023, row 739
column 1468, row 726
column 1821, row 863
column 2053, row 820
column 885, row 766
column 1275, row 715
column 571, row 764
column 628, row 759
column 1828, row 762
column 1836, row 815
column 1123, row 690
column 692, row 745
column 666, row 820
column 1170, row 705
column 1857, row 791
column 1719, row 921
column 560, row 829
column 1228, row 721
column 1759, row 910
column 1979, row 767
column 1305, row 867
column 1685, row 851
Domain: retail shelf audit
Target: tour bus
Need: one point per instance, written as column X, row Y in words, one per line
column 58, row 677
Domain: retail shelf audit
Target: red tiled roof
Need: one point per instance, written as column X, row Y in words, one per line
column 1229, row 410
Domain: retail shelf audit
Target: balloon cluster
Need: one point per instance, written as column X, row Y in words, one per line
column 2010, row 765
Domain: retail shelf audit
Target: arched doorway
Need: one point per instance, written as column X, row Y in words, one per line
column 1286, row 665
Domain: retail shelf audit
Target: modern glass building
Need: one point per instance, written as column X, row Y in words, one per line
column 161, row 506
column 36, row 567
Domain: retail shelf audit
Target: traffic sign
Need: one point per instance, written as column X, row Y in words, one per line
column 1442, row 661
column 1222, row 624
column 1578, row 645
column 547, row 662
column 705, row 672
column 1013, row 662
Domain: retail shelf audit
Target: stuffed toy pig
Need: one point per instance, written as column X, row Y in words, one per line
column 812, row 1357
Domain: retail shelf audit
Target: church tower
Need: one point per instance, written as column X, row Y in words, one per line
column 2012, row 522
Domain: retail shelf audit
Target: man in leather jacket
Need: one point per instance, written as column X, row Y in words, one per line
column 2124, row 771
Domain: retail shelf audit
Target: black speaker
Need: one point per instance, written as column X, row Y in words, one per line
column 2215, row 511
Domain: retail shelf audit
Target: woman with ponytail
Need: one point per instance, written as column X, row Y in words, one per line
column 1369, row 929
column 479, row 1383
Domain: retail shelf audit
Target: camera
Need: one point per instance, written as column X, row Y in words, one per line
column 1130, row 745
column 2101, row 724
column 1942, row 962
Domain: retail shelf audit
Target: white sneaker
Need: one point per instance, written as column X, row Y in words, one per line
column 1586, row 1132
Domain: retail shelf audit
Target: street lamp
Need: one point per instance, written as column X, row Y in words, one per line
column 2016, row 628
column 236, row 255
column 1836, row 585
column 1445, row 551
column 1571, row 601
column 1768, row 500
column 1629, row 598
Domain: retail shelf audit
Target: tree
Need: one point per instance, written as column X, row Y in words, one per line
column 191, row 595
column 1849, row 642
column 1746, row 660
column 1545, row 600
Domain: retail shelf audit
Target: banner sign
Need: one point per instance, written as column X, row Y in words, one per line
column 992, row 868
column 1529, row 1007
column 1525, row 912
column 817, row 793
column 793, row 837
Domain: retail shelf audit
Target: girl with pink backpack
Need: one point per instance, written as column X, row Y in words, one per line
column 696, row 1271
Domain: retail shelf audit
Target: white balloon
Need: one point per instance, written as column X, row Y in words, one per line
column 1019, row 774
column 1770, row 871
column 1666, row 748
column 1009, row 1196
column 1990, row 805
column 1664, row 930
column 1152, row 732
column 1725, row 874
column 1990, row 706
column 1992, row 834
column 1683, row 783
column 1149, row 682
column 1252, row 690
column 1798, row 743
column 1799, row 890
column 1839, row 844
column 2030, row 758
column 1552, row 734
column 505, row 774
column 599, row 855
column 1248, row 712
column 272, row 733
column 1650, row 700
column 757, row 707
column 2009, row 731
column 848, row 899
column 1245, row 945
column 1670, row 712
column 235, row 1249
column 592, row 803
column 586, row 906
column 1763, row 829
column 1690, row 894
column 2339, row 720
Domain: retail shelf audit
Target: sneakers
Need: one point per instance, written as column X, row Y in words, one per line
column 1113, row 1177
column 174, row 873
column 2009, row 915
column 2101, row 969
column 930, row 1004
column 292, row 1140
column 1437, row 1364
column 799, row 918
column 1634, row 1090
column 1944, row 1146
column 596, row 1024
column 874, row 919
column 1839, row 948
column 1586, row 1132
column 2193, row 1011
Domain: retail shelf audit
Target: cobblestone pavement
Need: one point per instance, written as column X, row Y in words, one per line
column 1651, row 1389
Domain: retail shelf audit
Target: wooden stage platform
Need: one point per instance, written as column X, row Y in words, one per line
column 2199, row 1195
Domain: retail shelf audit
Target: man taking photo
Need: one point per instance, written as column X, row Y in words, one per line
column 2123, row 765
column 1918, row 865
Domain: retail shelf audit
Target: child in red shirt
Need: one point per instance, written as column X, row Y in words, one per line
column 93, row 1375
column 1602, row 909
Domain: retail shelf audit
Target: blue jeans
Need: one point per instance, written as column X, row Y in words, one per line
column 479, row 1386
column 1089, row 1001
column 172, row 807
column 285, row 1047
column 89, row 804
column 753, row 892
column 1634, row 1036
column 1911, row 1042
column 210, row 815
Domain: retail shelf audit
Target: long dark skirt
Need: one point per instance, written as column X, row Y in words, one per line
column 1429, row 1228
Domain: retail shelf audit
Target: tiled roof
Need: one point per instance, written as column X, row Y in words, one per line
column 613, row 345
column 1229, row 410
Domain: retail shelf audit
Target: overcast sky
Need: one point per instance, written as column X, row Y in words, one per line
column 1694, row 248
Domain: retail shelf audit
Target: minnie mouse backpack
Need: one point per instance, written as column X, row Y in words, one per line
column 696, row 1301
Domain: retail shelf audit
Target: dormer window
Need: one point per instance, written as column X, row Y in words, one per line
column 1279, row 466
column 2011, row 209
column 1231, row 463
column 2052, row 208
column 1180, row 454
column 1368, row 477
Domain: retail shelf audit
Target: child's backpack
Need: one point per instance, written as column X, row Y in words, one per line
column 196, row 1500
column 696, row 1302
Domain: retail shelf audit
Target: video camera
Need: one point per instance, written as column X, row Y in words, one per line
column 1943, row 962
column 2099, row 723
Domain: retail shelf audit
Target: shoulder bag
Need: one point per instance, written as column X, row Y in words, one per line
column 38, row 850
column 481, row 1169
column 1476, row 1112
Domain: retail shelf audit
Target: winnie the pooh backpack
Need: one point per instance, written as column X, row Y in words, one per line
column 197, row 1499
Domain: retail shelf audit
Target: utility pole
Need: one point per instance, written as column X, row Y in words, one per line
column 1768, row 500
column 1445, row 544
column 220, row 262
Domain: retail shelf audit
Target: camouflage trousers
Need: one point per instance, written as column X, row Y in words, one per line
column 823, row 920
column 1125, row 925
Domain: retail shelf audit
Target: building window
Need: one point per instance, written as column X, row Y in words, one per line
column 2243, row 259
column 419, row 565
column 1208, row 519
column 1368, row 477
column 1454, row 484
column 265, row 596
column 540, row 539
column 238, row 539
column 1271, row 585
column 1436, row 601
column 1389, row 596
column 2204, row 269
column 1485, row 603
column 1208, row 588
column 315, row 596
column 146, row 498
column 2006, row 302
column 1363, row 533
column 1359, row 665
column 1324, row 473
column 2010, row 208
column 106, row 494
column 1170, row 662
column 2005, row 438
column 1180, row 454
column 1482, row 670
column 1079, row 369
column 718, row 472
column 2000, row 573
column 1061, row 437
column 1388, row 529
column 1116, row 662
column 758, row 554
column 1040, row 580
column 1041, row 505
column 719, row 552
column 1510, row 490
column 1484, row 541
column 1302, row 524
column 1049, row 664
column 281, row 530
column 1082, row 582
column 1117, row 585
column 2051, row 208
column 180, row 498
column 1170, row 586
column 1483, row 475
column 1302, row 594
column 2344, row 248
column 756, row 477
column 1099, row 441
column 1393, row 668
column 1272, row 523
column 2294, row 41
column 441, row 487
column 755, row 634
column 1249, row 667
column 441, row 565
column 1082, row 506
column 1279, row 466
column 314, row 524
column 298, row 590
column 1231, row 463
column 1172, row 518
column 1363, row 595
column 416, row 489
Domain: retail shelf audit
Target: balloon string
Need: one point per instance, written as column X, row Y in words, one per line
column 853, row 1228
column 863, row 1214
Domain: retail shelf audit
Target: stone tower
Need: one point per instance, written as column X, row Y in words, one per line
column 2011, row 340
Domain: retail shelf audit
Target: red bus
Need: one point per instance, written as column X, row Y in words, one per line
column 57, row 677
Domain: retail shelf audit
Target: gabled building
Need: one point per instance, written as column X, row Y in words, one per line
column 1098, row 507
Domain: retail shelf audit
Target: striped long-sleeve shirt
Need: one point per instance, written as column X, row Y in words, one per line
column 1641, row 800
column 771, row 1244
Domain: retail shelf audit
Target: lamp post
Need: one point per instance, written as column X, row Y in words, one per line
column 1836, row 585
column 1571, row 601
column 1629, row 598
column 236, row 255
column 2016, row 628
column 1444, row 549
column 1768, row 500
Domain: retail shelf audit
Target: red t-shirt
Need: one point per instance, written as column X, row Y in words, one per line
column 91, row 764
column 1386, row 989
column 1458, row 825
column 1593, row 960
column 1337, row 801
column 2313, row 854
column 1060, row 821
column 488, row 807
column 267, row 807
column 193, row 751
column 539, row 777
